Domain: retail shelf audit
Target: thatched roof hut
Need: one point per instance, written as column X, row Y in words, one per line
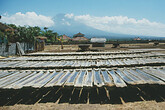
column 4, row 27
column 80, row 39
column 78, row 35
column 65, row 38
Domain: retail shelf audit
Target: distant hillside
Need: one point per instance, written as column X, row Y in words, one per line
column 71, row 27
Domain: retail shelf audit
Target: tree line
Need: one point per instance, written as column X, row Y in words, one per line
column 28, row 34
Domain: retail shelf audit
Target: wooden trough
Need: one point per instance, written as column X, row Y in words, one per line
column 88, row 69
column 81, row 78
column 79, row 63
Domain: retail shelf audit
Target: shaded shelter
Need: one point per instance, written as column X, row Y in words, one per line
column 98, row 42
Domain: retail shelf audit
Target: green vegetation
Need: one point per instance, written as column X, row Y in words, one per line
column 27, row 34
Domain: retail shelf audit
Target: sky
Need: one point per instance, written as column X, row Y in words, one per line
column 135, row 17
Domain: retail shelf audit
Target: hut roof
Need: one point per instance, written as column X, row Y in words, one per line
column 79, row 39
column 79, row 35
column 98, row 40
column 64, row 37
column 41, row 37
column 4, row 27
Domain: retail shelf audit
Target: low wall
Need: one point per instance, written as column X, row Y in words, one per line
column 7, row 50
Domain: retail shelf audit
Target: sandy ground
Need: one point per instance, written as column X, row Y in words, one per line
column 108, row 47
column 145, row 105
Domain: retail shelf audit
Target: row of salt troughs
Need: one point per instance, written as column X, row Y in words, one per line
column 83, row 63
column 84, row 57
column 87, row 53
column 78, row 78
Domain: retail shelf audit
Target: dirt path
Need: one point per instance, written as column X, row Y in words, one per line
column 146, row 105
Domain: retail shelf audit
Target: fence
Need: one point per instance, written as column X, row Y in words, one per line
column 11, row 49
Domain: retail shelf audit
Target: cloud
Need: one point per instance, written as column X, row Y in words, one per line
column 29, row 18
column 64, row 22
column 69, row 15
column 121, row 24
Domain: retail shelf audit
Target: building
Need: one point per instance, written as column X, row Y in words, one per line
column 79, row 35
column 65, row 38
column 3, row 29
column 80, row 38
column 40, row 43
column 138, row 38
column 98, row 42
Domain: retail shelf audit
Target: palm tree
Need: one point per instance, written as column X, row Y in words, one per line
column 45, row 28
column 55, row 36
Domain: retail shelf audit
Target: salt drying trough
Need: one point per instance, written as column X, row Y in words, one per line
column 88, row 69
column 83, row 77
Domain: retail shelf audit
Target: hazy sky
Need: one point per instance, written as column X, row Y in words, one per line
column 137, row 16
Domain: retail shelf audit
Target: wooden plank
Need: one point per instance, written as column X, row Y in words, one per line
column 46, row 79
column 19, row 63
column 27, row 64
column 85, row 53
column 80, row 79
column 40, row 64
column 51, row 64
column 155, row 73
column 55, row 79
column 107, row 80
column 63, row 79
column 31, row 79
column 97, row 78
column 5, row 73
column 88, row 57
column 125, row 62
column 153, row 80
column 120, row 62
column 117, row 80
column 143, row 80
column 17, row 83
column 10, row 58
column 71, row 79
column 114, row 63
column 37, row 79
column 9, row 64
column 160, row 70
column 14, row 79
column 88, row 82
column 125, row 78
column 135, row 79
column 7, row 78
column 107, row 63
column 104, row 62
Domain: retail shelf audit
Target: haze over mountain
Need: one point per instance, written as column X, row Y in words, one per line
column 64, row 25
column 68, row 26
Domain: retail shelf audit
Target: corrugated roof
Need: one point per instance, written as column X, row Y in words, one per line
column 98, row 40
